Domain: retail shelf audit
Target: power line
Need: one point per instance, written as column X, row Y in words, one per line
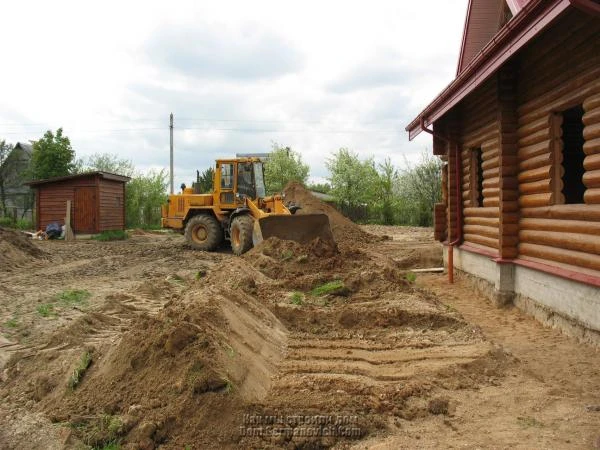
column 191, row 119
column 208, row 129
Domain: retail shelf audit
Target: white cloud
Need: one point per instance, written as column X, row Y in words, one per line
column 238, row 76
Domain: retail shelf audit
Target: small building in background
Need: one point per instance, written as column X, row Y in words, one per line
column 97, row 201
column 18, row 197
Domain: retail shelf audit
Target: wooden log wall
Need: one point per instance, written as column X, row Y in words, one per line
column 559, row 70
column 508, row 171
column 448, row 127
column 479, row 129
column 440, row 224
column 591, row 148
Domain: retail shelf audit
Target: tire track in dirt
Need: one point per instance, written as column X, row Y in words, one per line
column 378, row 363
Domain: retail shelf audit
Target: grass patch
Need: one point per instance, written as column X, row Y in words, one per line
column 20, row 224
column 102, row 433
column 229, row 350
column 176, row 279
column 11, row 323
column 45, row 310
column 111, row 235
column 229, row 387
column 332, row 287
column 79, row 371
column 114, row 445
column 527, row 422
column 302, row 259
column 286, row 255
column 411, row 277
column 297, row 298
column 73, row 296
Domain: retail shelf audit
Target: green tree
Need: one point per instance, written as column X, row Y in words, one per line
column 206, row 180
column 109, row 162
column 323, row 188
column 353, row 182
column 145, row 194
column 52, row 156
column 419, row 188
column 5, row 150
column 387, row 178
column 284, row 165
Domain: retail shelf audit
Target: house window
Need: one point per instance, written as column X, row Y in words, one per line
column 571, row 154
column 476, row 181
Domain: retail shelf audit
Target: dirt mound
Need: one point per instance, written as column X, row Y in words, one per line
column 16, row 250
column 344, row 230
column 183, row 376
column 321, row 331
column 305, row 267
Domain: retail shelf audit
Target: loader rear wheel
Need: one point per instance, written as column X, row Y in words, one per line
column 203, row 232
column 241, row 234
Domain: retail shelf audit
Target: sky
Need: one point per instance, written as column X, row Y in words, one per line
column 238, row 77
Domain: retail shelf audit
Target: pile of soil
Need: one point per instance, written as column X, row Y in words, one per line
column 183, row 376
column 16, row 250
column 304, row 267
column 288, row 329
column 344, row 230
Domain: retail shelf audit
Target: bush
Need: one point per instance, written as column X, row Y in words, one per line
column 20, row 224
column 145, row 194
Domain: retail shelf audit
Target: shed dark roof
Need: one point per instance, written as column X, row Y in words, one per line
column 106, row 175
column 27, row 148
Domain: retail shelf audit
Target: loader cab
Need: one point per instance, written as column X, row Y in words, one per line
column 238, row 178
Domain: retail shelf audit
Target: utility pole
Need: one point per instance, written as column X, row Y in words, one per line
column 171, row 172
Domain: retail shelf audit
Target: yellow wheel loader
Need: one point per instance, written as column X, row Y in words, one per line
column 239, row 210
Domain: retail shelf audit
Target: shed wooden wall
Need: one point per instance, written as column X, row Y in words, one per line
column 480, row 129
column 559, row 70
column 51, row 199
column 112, row 205
column 107, row 212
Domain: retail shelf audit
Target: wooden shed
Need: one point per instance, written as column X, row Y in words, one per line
column 97, row 201
column 519, row 131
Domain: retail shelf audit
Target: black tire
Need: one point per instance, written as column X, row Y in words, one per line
column 203, row 232
column 241, row 234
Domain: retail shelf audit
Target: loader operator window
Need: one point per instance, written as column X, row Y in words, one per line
column 245, row 186
column 227, row 176
column 259, row 180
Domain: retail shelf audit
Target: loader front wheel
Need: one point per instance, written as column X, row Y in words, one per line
column 241, row 234
column 203, row 232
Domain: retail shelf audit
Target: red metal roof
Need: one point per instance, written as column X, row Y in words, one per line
column 481, row 24
column 535, row 16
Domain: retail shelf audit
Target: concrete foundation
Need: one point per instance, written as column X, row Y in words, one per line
column 569, row 305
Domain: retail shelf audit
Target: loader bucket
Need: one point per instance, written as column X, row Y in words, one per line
column 301, row 228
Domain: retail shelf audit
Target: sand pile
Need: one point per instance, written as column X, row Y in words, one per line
column 183, row 376
column 16, row 250
column 290, row 329
column 344, row 230
column 306, row 267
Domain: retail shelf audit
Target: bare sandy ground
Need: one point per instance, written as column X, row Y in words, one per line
column 188, row 345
